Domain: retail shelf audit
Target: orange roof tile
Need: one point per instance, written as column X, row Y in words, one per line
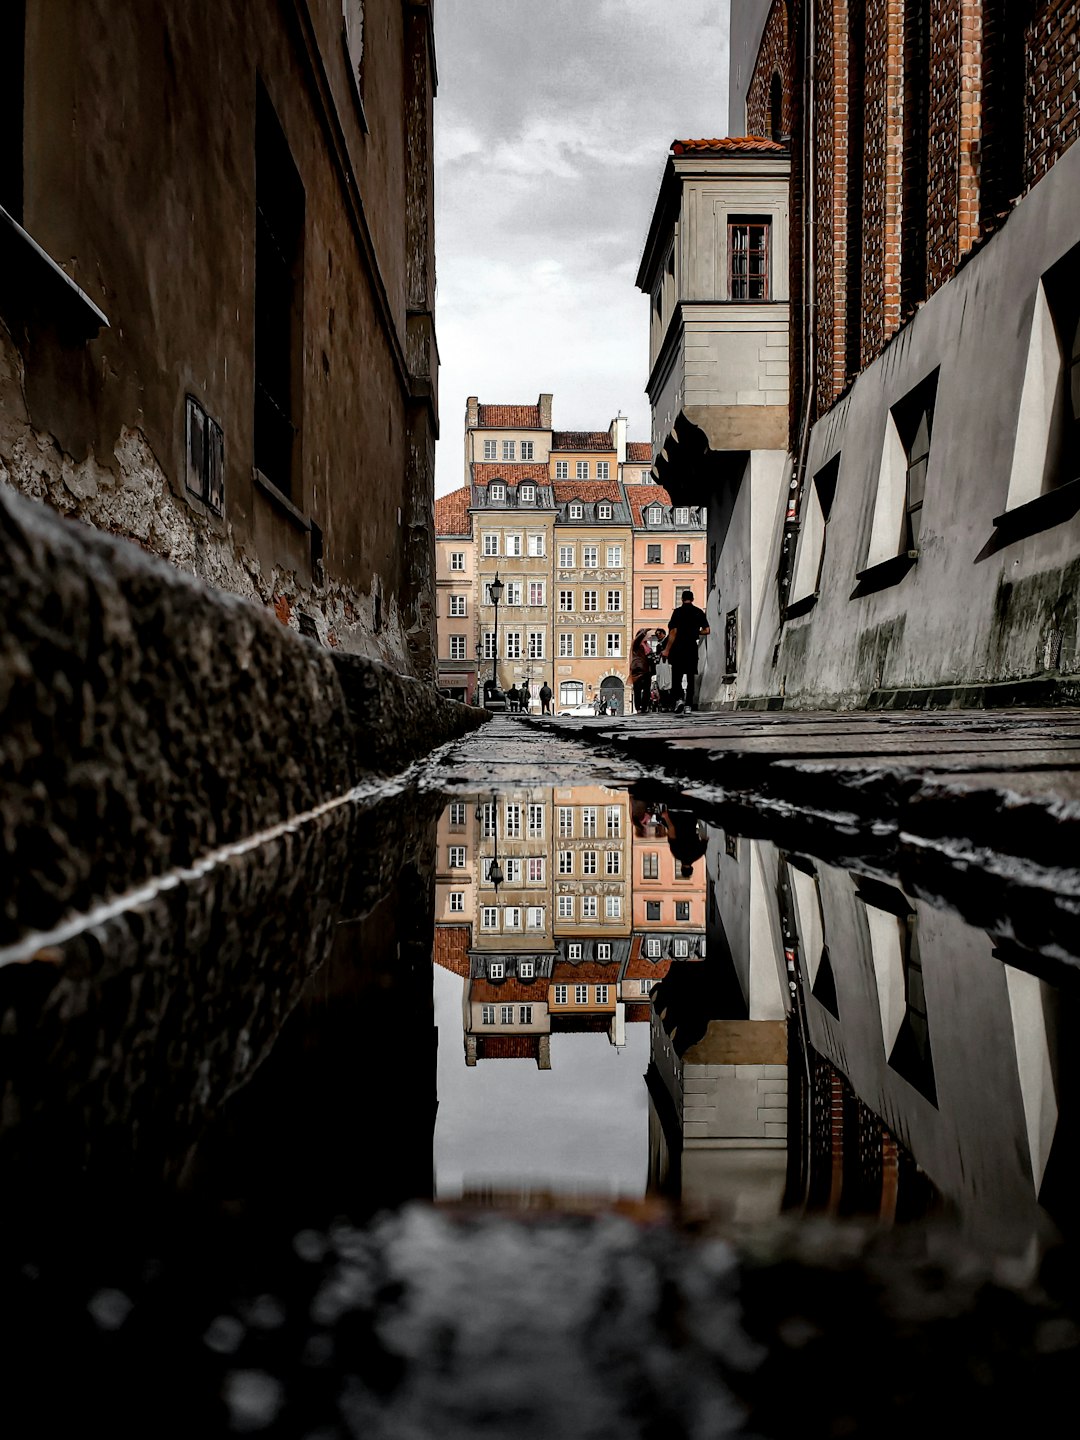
column 641, row 495
column 452, row 513
column 509, row 989
column 452, row 948
column 484, row 471
column 598, row 971
column 509, row 417
column 639, row 450
column 507, row 1047
column 638, row 967
column 566, row 490
column 729, row 143
column 581, row 440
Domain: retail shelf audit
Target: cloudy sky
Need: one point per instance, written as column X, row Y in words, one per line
column 553, row 121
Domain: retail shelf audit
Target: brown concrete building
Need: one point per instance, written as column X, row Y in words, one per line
column 217, row 292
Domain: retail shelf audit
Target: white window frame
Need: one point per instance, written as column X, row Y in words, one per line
column 613, row 862
column 537, row 592
column 573, row 950
column 577, row 512
column 534, row 869
column 682, row 515
column 525, row 1014
column 581, row 994
column 566, row 907
column 536, row 547
column 509, row 448
column 559, row 997
column 527, row 493
column 650, row 597
column 457, row 646
column 566, row 862
column 652, row 948
column 566, row 557
column 536, row 644
column 491, row 544
column 457, row 901
column 614, row 645
column 614, row 601
column 588, row 907
column 566, row 817
column 457, row 559
column 603, row 950
column 489, row 644
column 603, row 472
column 588, row 821
column 614, row 557
column 581, row 470
column 588, row 647
column 506, row 1014
column 590, row 600
column 654, row 515
column 526, row 969
column 602, row 994
column 513, row 545
column 562, row 470
column 512, row 917
column 515, row 590
column 527, row 449
column 513, row 644
column 534, row 917
column 497, row 492
column 487, row 1015
column 681, row 949
column 497, row 970
column 566, row 644
column 536, row 820
column 566, row 600
column 512, row 820
column 613, row 907
column 589, row 862
column 457, row 857
column 590, row 557
column 613, row 821
column 491, row 450
column 571, row 694
column 603, row 510
column 457, row 606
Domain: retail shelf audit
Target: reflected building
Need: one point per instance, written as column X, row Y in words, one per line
column 506, row 1012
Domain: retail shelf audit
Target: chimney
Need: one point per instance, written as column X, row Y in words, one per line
column 472, row 412
column 618, row 437
column 543, row 410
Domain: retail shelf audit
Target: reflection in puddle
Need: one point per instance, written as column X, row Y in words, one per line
column 682, row 1013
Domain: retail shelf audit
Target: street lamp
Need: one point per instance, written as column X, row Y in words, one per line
column 495, row 874
column 495, row 590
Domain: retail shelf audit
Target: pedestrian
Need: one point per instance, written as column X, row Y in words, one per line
column 687, row 839
column 642, row 667
column 526, row 697
column 545, row 699
column 513, row 699
column 686, row 626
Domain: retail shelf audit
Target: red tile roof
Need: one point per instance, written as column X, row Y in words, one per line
column 641, row 495
column 566, row 490
column 603, row 972
column 638, row 967
column 638, row 450
column 452, row 948
column 581, row 440
column 490, row 991
column 507, row 1047
column 484, row 471
column 452, row 513
column 509, row 417
column 729, row 143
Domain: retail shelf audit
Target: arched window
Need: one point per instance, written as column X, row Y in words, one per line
column 571, row 694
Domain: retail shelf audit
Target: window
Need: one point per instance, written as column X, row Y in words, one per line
column 614, row 557
column 566, row 813
column 488, row 821
column 603, row 950
column 588, row 862
column 603, row 511
column 536, row 592
column 588, row 647
column 562, row 470
column 491, row 449
column 566, row 600
column 457, row 560
column 603, row 471
column 566, row 907
column 496, row 970
column 681, row 949
column 513, row 822
column 588, row 821
column 279, row 250
column 491, row 547
column 508, row 448
column 560, row 994
column 652, row 948
column 487, row 1015
column 506, row 1014
column 536, row 644
column 457, row 604
column 489, row 645
column 682, row 554
column 654, row 515
column 653, row 553
column 898, row 504
column 614, row 820
column 527, row 493
column 581, row 994
column 496, row 493
column 652, row 910
column 534, row 917
column 566, row 861
column 582, row 470
column 536, row 545
column 525, row 1014
column 536, row 862
column 527, row 454
column 526, row 969
column 613, row 862
column 646, row 477
column 915, row 487
column 513, row 544
column 573, row 951
column 566, row 557
column 513, row 872
column 457, row 814
column 588, row 907
column 601, row 994
column 536, row 822
column 613, row 906
column 576, row 512
column 590, row 556
column 650, row 597
column 614, row 599
column 682, row 515
column 513, row 593
column 457, row 900
column 590, row 600
column 571, row 694
column 512, row 917
column 457, row 857
column 682, row 912
column 650, row 865
column 614, row 643
column 457, row 647
column 1046, row 450
column 748, row 259
column 513, row 645
column 644, row 987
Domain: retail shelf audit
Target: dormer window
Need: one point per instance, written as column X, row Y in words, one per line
column 496, row 970
column 526, row 969
column 682, row 515
column 654, row 515
column 576, row 512
column 497, row 493
column 603, row 511
column 527, row 494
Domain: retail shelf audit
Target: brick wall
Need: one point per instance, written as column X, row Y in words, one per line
column 1053, row 85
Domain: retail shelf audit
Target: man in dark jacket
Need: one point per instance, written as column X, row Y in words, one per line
column 686, row 625
column 545, row 699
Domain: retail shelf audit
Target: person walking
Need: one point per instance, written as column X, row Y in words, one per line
column 526, row 697
column 685, row 628
column 642, row 666
column 545, row 699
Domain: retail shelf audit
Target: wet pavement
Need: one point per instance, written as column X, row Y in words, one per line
column 558, row 1089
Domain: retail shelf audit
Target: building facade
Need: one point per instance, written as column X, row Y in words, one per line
column 222, row 346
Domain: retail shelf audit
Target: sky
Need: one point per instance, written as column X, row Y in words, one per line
column 553, row 121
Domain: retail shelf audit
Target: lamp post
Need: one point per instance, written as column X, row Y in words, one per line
column 495, row 590
column 495, row 874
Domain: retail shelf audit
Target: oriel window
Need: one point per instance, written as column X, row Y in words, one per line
column 748, row 259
